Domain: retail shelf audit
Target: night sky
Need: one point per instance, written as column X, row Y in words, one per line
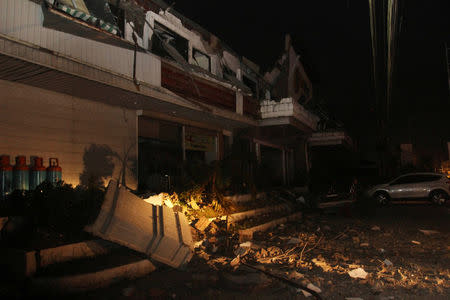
column 333, row 39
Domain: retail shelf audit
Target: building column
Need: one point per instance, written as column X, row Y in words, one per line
column 183, row 141
column 258, row 152
column 283, row 163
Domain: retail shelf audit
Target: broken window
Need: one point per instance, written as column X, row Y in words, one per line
column 119, row 18
column 251, row 84
column 165, row 35
column 227, row 72
column 77, row 4
column 201, row 59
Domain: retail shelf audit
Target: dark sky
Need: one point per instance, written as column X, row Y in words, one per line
column 333, row 39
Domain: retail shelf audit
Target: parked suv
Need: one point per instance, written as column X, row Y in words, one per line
column 434, row 186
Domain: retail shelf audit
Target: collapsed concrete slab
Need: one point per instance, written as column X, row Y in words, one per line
column 158, row 231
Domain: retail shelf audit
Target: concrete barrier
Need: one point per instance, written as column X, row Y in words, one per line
column 233, row 218
column 157, row 231
column 90, row 281
column 244, row 197
column 23, row 263
column 247, row 234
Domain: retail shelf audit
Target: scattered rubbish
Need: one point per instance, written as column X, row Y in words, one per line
column 274, row 251
column 358, row 273
column 415, row 242
column 387, row 262
column 262, row 253
column 202, row 223
column 403, row 276
column 375, row 228
column 168, row 202
column 294, row 241
column 311, row 287
column 198, row 244
column 194, row 205
column 204, row 255
column 213, row 229
column 287, row 281
column 247, row 244
column 364, row 245
column 236, row 261
column 159, row 200
column 322, row 264
column 428, row 232
column 296, row 275
column 243, row 249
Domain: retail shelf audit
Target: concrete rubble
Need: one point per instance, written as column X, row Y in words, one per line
column 358, row 273
column 158, row 231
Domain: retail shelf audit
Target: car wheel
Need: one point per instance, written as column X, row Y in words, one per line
column 438, row 197
column 381, row 198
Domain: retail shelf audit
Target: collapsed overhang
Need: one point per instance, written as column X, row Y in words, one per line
column 43, row 68
column 60, row 20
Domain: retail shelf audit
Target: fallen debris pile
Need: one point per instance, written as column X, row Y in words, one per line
column 158, row 231
column 347, row 257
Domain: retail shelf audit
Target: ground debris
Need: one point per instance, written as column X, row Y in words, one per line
column 202, row 223
column 358, row 273
column 294, row 241
column 236, row 261
column 428, row 232
column 311, row 287
column 322, row 264
column 387, row 262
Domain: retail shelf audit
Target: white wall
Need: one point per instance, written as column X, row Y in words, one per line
column 175, row 24
column 23, row 19
column 38, row 122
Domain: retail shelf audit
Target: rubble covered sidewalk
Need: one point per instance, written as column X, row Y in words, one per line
column 158, row 231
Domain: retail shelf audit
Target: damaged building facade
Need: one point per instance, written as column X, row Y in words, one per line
column 132, row 90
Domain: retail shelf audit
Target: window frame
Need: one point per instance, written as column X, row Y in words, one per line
column 195, row 50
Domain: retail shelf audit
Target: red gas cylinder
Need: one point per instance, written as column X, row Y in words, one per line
column 54, row 171
column 37, row 173
column 6, row 176
column 20, row 174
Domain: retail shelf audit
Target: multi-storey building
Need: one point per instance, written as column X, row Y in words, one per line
column 97, row 83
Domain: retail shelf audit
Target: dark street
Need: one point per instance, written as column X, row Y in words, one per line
column 420, row 263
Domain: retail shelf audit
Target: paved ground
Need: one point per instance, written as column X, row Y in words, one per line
column 328, row 246
column 401, row 261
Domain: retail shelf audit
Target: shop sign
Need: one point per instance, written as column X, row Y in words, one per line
column 200, row 142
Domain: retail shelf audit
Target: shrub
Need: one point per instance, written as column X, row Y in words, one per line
column 60, row 207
